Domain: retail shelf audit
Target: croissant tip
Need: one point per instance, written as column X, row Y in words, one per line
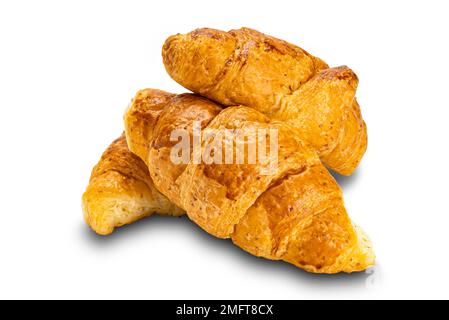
column 364, row 253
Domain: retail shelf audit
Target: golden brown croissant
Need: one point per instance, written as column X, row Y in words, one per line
column 295, row 213
column 121, row 191
column 246, row 67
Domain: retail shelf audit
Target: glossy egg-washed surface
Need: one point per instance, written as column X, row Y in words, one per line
column 281, row 80
column 121, row 191
column 295, row 213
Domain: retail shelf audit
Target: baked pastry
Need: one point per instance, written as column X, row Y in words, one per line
column 294, row 213
column 246, row 67
column 121, row 191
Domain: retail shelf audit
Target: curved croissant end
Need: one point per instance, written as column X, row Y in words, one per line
column 121, row 191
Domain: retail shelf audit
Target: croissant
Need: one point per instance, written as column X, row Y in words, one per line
column 295, row 213
column 121, row 191
column 246, row 67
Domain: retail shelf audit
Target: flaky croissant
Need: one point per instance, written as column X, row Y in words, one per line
column 246, row 67
column 295, row 213
column 121, row 191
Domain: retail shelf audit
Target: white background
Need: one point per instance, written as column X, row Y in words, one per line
column 69, row 68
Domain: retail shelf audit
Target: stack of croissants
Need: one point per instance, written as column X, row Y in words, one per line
column 243, row 79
